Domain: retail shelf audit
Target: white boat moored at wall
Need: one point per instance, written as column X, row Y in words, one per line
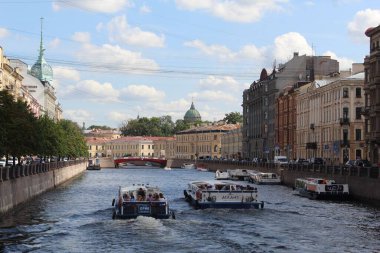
column 265, row 178
column 320, row 188
column 219, row 175
column 188, row 166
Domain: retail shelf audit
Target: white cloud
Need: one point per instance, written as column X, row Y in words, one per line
column 114, row 58
column 344, row 63
column 92, row 90
column 362, row 21
column 142, row 92
column 213, row 82
column 109, row 6
column 67, row 73
column 117, row 116
column 3, row 32
column 244, row 11
column 212, row 96
column 225, row 54
column 145, row 9
column 120, row 31
column 55, row 43
column 78, row 115
column 288, row 43
column 82, row 37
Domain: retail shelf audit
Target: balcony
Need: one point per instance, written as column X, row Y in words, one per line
column 365, row 111
column 345, row 143
column 311, row 145
column 344, row 121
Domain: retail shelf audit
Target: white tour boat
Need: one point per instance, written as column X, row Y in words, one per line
column 240, row 174
column 219, row 175
column 319, row 188
column 141, row 200
column 188, row 166
column 265, row 178
column 221, row 194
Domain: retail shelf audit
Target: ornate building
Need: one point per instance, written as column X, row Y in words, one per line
column 259, row 101
column 202, row 142
column 10, row 76
column 372, row 95
column 231, row 144
column 192, row 115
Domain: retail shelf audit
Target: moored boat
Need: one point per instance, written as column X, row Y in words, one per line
column 188, row 166
column 264, row 178
column 93, row 164
column 219, row 175
column 221, row 194
column 320, row 188
column 240, row 174
column 141, row 200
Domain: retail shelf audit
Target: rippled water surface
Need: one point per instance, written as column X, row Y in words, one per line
column 76, row 217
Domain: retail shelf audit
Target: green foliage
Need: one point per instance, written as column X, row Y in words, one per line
column 22, row 134
column 155, row 126
column 233, row 118
column 99, row 127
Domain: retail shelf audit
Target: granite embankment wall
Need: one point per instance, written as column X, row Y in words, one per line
column 21, row 183
column 364, row 183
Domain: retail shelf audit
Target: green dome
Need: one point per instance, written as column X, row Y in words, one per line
column 42, row 70
column 192, row 114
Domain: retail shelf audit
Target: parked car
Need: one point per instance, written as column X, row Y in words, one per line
column 362, row 163
column 317, row 160
column 2, row 162
column 281, row 160
column 302, row 161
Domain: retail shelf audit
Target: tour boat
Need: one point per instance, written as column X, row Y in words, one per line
column 167, row 168
column 219, row 175
column 265, row 178
column 93, row 165
column 221, row 194
column 202, row 169
column 240, row 174
column 141, row 200
column 188, row 166
column 319, row 188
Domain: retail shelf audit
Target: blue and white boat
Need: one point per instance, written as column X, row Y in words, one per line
column 264, row 178
column 221, row 194
column 141, row 200
column 321, row 188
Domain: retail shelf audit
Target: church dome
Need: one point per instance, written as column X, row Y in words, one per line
column 192, row 114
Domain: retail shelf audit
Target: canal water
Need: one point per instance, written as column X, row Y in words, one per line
column 76, row 217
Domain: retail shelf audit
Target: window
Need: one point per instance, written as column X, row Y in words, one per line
column 358, row 134
column 142, row 146
column 358, row 92
column 215, row 137
column 345, row 135
column 345, row 92
column 358, row 113
column 345, row 112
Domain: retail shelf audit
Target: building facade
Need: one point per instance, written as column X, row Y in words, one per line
column 164, row 147
column 231, row 144
column 329, row 120
column 372, row 95
column 259, row 101
column 202, row 142
column 10, row 77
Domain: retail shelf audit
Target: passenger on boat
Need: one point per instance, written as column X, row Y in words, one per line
column 161, row 197
column 133, row 198
column 140, row 198
column 126, row 197
column 141, row 192
column 155, row 197
column 150, row 197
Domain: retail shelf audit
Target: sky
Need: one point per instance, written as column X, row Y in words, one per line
column 114, row 60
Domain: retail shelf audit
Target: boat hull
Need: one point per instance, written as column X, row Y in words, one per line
column 93, row 167
column 323, row 195
column 131, row 210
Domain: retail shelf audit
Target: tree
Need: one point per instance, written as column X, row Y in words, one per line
column 180, row 125
column 233, row 118
column 99, row 127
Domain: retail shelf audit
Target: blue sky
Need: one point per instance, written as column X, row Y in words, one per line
column 116, row 59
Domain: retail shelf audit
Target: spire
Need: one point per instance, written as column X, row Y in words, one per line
column 41, row 55
column 41, row 69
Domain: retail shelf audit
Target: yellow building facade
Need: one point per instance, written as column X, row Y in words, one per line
column 329, row 119
column 203, row 142
column 231, row 144
column 164, row 147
